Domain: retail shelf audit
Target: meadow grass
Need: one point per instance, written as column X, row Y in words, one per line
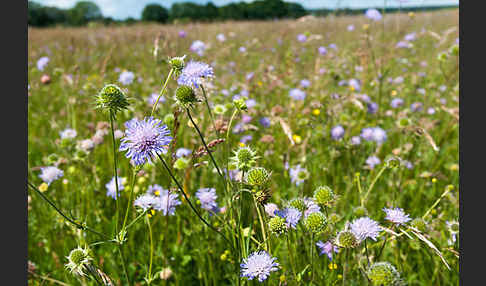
column 425, row 185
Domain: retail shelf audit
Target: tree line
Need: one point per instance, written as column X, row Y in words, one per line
column 85, row 12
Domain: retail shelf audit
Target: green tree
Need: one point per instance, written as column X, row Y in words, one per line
column 155, row 13
column 83, row 12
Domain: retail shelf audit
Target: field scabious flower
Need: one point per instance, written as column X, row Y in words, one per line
column 292, row 216
column 194, row 73
column 384, row 274
column 322, row 50
column 167, row 202
column 315, row 222
column 373, row 14
column 297, row 94
column 50, row 174
column 337, row 132
column 301, row 38
column 198, row 47
column 111, row 188
column 145, row 201
column 126, row 77
column 183, row 152
column 298, row 174
column 364, row 228
column 42, row 62
column 396, row 216
column 396, row 102
column 327, row 248
column 78, row 260
column 258, row 265
column 221, row 37
column 144, row 139
column 244, row 158
column 68, row 133
column 270, row 209
column 372, row 161
column 207, row 197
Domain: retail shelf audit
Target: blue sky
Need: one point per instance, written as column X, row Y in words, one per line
column 121, row 9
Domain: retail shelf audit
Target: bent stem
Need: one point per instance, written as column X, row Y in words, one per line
column 375, row 179
column 262, row 225
column 189, row 202
column 123, row 263
column 209, row 108
column 162, row 91
column 135, row 171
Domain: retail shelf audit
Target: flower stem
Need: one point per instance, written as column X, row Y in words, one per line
column 291, row 254
column 115, row 170
column 375, row 179
column 312, row 257
column 123, row 263
column 162, row 91
column 209, row 108
column 135, row 171
column 149, row 280
column 262, row 225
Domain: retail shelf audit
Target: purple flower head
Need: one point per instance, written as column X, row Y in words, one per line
column 42, row 62
column 372, row 161
column 410, row 37
column 396, row 215
column 250, row 103
column 265, row 122
column 183, row 152
column 372, row 107
column 305, row 83
column 322, row 50
column 242, row 49
column 367, row 133
column 182, row 33
column 310, row 206
column 350, row 28
column 333, row 46
column 126, row 77
column 68, row 133
column 403, row 45
column 298, row 174
column 111, row 187
column 198, row 47
column 416, row 106
column 292, row 216
column 337, row 132
column 167, row 203
column 258, row 265
column 297, row 94
column 144, row 139
column 245, row 118
column 379, row 135
column 50, row 174
column 301, row 38
column 249, row 75
column 207, row 197
column 355, row 84
column 246, row 138
column 364, row 228
column 373, row 14
column 430, row 110
column 327, row 248
column 355, row 140
column 396, row 102
column 145, row 201
column 221, row 37
column 270, row 209
column 194, row 72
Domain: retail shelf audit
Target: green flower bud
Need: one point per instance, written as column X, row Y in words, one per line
column 277, row 225
column 393, row 162
column 324, row 196
column 346, row 239
column 78, row 260
column 454, row 50
column 168, row 120
column 403, row 122
column 51, row 159
column 316, row 222
column 384, row 274
column 111, row 98
column 334, row 218
column 240, row 103
column 219, row 109
column 244, row 158
column 177, row 64
column 419, row 224
column 298, row 203
column 185, row 96
column 181, row 163
column 360, row 211
column 261, row 196
column 258, row 177
column 442, row 57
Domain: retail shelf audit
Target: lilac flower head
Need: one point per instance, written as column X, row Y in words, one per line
column 372, row 107
column 396, row 102
column 355, row 140
column 194, row 72
column 310, row 206
column 153, row 98
column 416, row 106
column 305, row 83
column 396, row 215
column 183, row 152
column 245, row 118
column 50, row 174
column 337, row 132
column 145, row 201
column 207, row 197
column 182, row 34
column 42, row 62
column 355, row 84
column 403, row 45
column 258, row 265
column 301, row 38
column 221, row 37
column 364, row 228
column 327, row 248
column 367, row 133
column 333, row 46
column 68, row 133
column 126, row 77
column 242, row 49
column 350, row 28
column 167, row 203
column 410, row 37
column 246, row 138
column 297, row 94
column 265, row 122
column 373, row 14
column 430, row 110
column 144, row 139
column 250, row 103
column 111, row 187
column 379, row 135
column 322, row 50
column 270, row 209
column 198, row 47
column 298, row 174
column 292, row 216
column 372, row 161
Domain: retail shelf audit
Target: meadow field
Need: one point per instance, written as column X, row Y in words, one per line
column 333, row 152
